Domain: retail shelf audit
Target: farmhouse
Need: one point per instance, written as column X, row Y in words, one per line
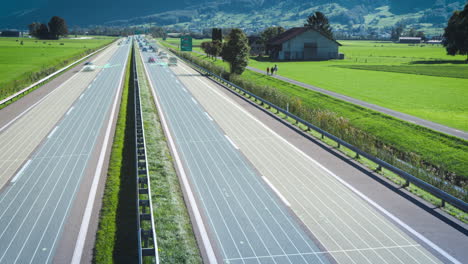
column 302, row 43
column 410, row 40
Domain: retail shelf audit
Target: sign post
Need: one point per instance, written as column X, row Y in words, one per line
column 185, row 43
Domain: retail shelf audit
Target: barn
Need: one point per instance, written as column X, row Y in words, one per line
column 410, row 40
column 302, row 43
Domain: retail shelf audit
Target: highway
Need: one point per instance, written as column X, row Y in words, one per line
column 44, row 154
column 248, row 223
column 348, row 226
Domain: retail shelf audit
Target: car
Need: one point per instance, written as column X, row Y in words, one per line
column 172, row 61
column 163, row 55
column 88, row 68
column 145, row 49
column 151, row 60
column 88, row 63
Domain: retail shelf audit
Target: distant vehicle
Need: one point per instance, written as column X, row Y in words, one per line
column 172, row 61
column 145, row 49
column 88, row 63
column 163, row 55
column 89, row 67
column 151, row 60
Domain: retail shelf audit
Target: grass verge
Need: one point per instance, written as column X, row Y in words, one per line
column 176, row 240
column 116, row 239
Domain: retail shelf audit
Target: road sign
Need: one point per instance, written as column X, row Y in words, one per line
column 186, row 43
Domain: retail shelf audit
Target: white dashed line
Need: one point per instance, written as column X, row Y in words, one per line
column 276, row 191
column 18, row 175
column 231, row 142
column 52, row 133
column 69, row 111
column 209, row 117
column 195, row 101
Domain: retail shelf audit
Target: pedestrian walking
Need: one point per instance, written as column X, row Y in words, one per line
column 268, row 71
column 275, row 69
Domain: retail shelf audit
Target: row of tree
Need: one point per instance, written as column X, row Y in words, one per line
column 456, row 33
column 53, row 30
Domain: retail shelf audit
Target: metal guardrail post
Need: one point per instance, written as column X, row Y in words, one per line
column 147, row 243
column 445, row 197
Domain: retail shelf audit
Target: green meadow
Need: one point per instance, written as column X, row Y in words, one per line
column 420, row 80
column 21, row 65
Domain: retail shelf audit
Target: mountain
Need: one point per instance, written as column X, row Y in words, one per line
column 252, row 15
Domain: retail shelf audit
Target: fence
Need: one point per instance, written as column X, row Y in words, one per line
column 410, row 179
column 147, row 243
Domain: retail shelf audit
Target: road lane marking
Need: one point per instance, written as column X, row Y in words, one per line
column 195, row 101
column 209, row 117
column 52, row 133
column 18, row 175
column 276, row 191
column 358, row 193
column 232, row 143
column 177, row 81
column 69, row 111
column 185, row 90
column 81, row 96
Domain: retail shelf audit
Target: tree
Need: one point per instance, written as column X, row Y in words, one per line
column 158, row 32
column 236, row 51
column 206, row 47
column 43, row 31
column 216, row 48
column 34, row 29
column 270, row 33
column 217, row 34
column 318, row 21
column 456, row 33
column 57, row 27
column 397, row 32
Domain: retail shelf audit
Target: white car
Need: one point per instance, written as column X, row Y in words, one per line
column 89, row 66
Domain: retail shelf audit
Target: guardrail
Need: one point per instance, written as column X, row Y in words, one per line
column 47, row 78
column 410, row 179
column 147, row 243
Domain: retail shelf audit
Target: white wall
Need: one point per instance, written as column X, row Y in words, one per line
column 326, row 48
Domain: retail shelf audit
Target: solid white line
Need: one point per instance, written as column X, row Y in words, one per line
column 195, row 101
column 69, row 111
column 236, row 147
column 185, row 183
column 185, row 90
column 209, row 117
column 370, row 201
column 52, row 133
column 276, row 191
column 18, row 175
column 78, row 252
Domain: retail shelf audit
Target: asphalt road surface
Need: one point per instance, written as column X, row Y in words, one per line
column 50, row 146
column 248, row 223
column 350, row 226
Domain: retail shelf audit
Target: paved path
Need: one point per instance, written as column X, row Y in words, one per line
column 64, row 127
column 247, row 222
column 399, row 115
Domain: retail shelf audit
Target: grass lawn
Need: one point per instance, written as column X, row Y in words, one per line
column 418, row 80
column 19, row 64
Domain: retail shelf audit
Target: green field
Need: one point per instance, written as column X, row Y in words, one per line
column 21, row 65
column 419, row 80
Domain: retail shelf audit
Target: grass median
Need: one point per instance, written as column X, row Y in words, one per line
column 176, row 240
column 116, row 240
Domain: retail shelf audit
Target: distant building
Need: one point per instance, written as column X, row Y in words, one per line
column 434, row 42
column 256, row 46
column 10, row 33
column 301, row 43
column 410, row 40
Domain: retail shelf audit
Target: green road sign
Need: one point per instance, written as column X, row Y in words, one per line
column 186, row 43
